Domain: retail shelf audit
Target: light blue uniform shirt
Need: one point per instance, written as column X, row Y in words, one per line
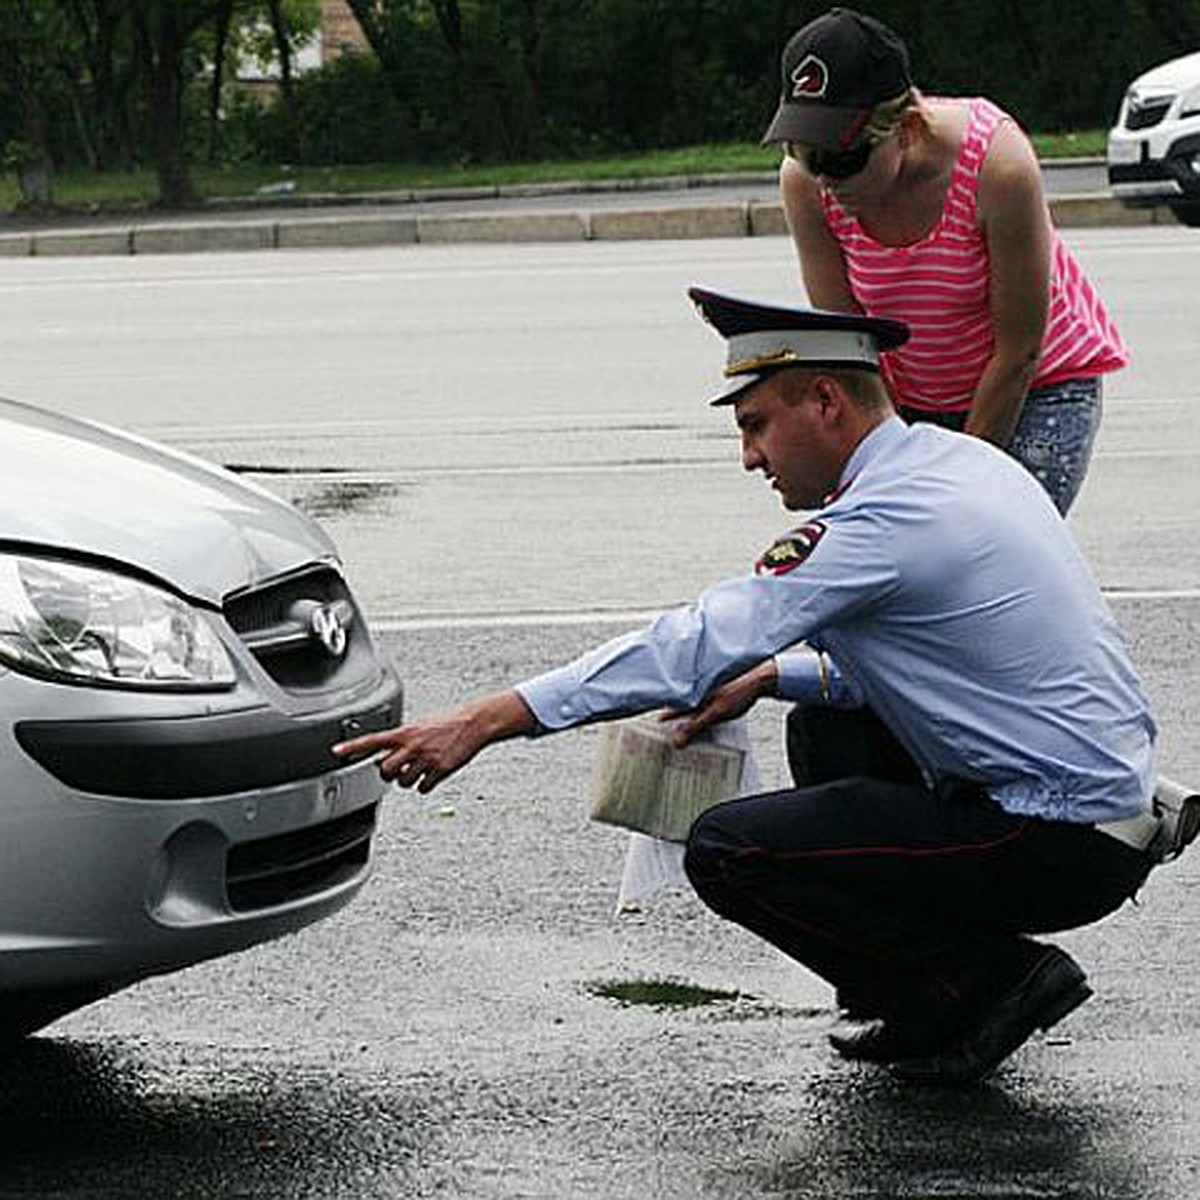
column 952, row 599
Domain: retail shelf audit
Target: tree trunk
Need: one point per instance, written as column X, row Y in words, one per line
column 87, row 146
column 102, row 115
column 531, row 47
column 287, row 93
column 224, row 18
column 161, row 45
column 36, row 170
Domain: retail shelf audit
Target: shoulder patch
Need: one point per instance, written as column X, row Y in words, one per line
column 791, row 550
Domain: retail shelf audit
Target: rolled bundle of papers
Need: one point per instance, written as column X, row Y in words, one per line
column 642, row 781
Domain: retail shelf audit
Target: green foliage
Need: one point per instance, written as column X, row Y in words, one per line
column 347, row 112
column 502, row 80
column 254, row 37
column 115, row 83
column 1054, row 66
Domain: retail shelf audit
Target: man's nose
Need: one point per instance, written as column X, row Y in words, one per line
column 752, row 459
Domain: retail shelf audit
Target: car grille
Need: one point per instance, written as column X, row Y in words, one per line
column 276, row 870
column 304, row 630
column 1147, row 114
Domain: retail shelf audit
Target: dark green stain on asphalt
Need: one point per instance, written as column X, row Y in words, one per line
column 660, row 993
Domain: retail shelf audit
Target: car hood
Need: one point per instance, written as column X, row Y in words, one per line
column 77, row 487
column 1173, row 76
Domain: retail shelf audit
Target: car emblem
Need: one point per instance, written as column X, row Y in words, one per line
column 329, row 624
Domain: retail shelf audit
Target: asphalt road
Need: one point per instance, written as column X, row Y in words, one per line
column 511, row 446
column 449, row 1034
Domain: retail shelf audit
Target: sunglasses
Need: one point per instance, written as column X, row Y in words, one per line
column 831, row 164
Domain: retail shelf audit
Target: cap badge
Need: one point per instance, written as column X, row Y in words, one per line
column 810, row 79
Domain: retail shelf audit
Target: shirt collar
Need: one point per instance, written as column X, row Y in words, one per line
column 882, row 438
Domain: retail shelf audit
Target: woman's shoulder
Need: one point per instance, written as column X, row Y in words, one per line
column 980, row 131
column 956, row 119
column 967, row 106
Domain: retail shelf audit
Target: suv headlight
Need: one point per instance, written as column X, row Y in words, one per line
column 86, row 625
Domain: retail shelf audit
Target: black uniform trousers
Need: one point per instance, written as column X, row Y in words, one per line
column 916, row 902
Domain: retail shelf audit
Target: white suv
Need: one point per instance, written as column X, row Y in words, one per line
column 178, row 652
column 1154, row 148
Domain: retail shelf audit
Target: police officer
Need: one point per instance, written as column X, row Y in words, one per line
column 932, row 581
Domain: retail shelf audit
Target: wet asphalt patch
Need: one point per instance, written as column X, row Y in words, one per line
column 661, row 993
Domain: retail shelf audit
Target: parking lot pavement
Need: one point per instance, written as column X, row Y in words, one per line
column 473, row 1026
column 477, row 1023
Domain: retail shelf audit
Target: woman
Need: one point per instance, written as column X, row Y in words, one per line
column 931, row 210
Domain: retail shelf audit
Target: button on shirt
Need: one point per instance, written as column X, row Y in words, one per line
column 949, row 596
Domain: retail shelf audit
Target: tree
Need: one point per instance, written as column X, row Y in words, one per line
column 29, row 69
column 224, row 20
column 283, row 52
column 162, row 31
column 114, row 82
column 101, row 81
column 469, row 70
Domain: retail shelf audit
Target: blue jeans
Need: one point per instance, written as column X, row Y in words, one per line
column 1054, row 437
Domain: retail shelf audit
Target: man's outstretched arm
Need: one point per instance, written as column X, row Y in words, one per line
column 425, row 752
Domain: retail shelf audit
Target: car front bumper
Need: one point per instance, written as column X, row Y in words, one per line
column 1144, row 169
column 138, row 845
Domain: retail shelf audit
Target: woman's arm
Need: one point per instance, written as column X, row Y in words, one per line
column 1016, row 226
column 822, row 268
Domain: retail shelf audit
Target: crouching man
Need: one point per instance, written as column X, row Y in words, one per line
column 932, row 583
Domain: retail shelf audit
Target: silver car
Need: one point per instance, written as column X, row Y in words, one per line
column 178, row 651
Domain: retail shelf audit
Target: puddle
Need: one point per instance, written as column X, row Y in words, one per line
column 322, row 492
column 677, row 995
column 661, row 993
column 338, row 498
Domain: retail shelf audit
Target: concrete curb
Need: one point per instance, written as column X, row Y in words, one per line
column 569, row 224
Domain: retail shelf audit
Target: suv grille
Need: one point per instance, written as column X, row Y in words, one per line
column 304, row 630
column 276, row 870
column 1147, row 113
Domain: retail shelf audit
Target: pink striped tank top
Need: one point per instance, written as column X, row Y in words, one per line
column 939, row 286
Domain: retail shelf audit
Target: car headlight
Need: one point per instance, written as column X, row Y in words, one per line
column 86, row 625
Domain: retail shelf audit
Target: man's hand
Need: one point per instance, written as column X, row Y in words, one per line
column 424, row 753
column 725, row 703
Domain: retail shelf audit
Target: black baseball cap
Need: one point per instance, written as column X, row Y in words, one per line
column 764, row 338
column 835, row 70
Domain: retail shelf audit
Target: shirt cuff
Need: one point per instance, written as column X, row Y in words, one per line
column 808, row 676
column 549, row 698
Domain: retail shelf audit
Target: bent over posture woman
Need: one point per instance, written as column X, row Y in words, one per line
column 931, row 210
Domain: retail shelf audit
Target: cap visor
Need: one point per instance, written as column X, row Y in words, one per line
column 814, row 125
column 735, row 386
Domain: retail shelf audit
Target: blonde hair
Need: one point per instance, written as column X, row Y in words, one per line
column 888, row 115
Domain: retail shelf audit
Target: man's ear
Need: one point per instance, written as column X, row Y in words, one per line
column 828, row 394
